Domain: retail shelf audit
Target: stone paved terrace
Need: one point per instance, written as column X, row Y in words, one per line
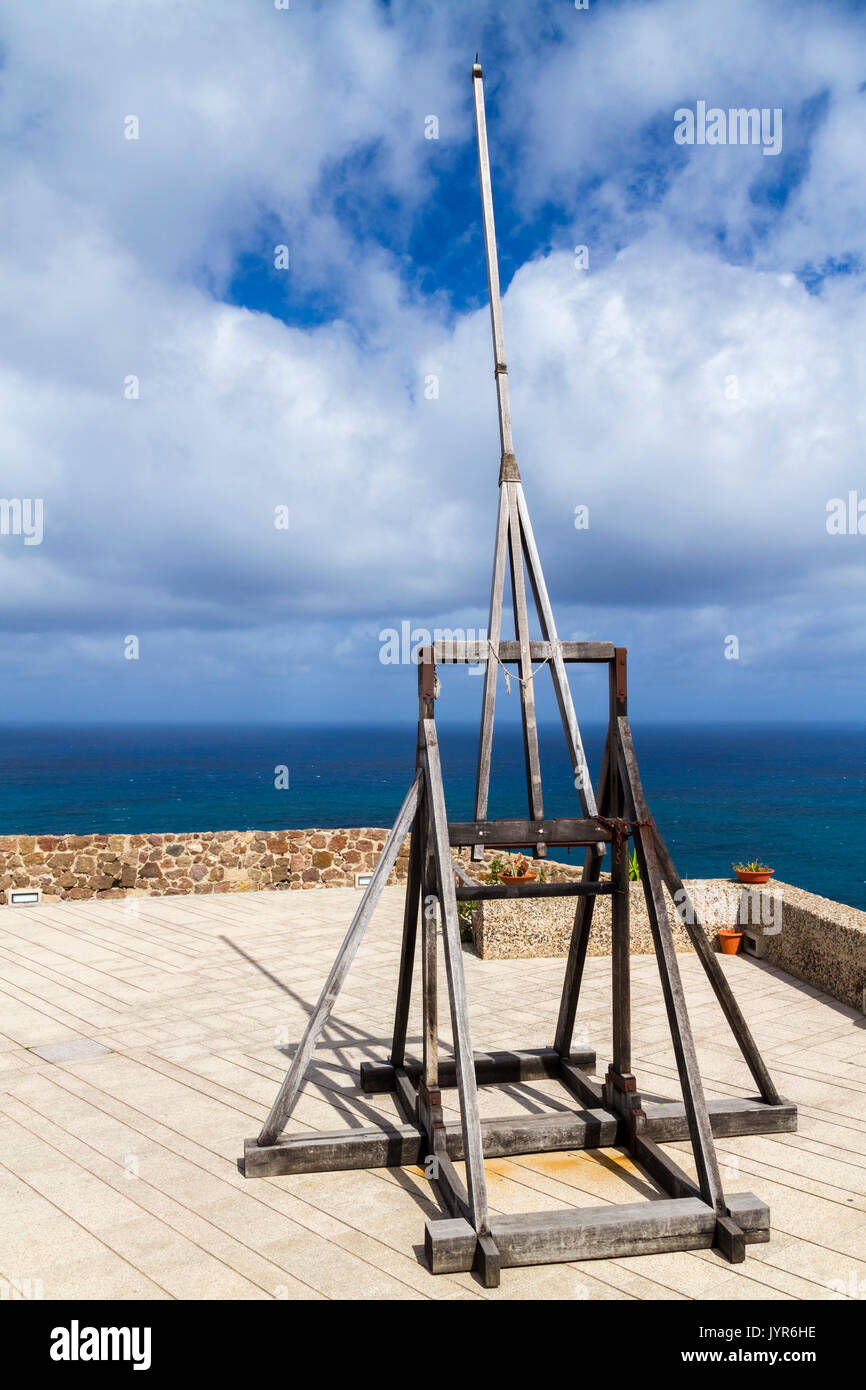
column 118, row 1172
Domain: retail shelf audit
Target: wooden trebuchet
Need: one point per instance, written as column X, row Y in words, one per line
column 685, row 1214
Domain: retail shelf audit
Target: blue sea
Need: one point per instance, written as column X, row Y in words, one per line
column 794, row 797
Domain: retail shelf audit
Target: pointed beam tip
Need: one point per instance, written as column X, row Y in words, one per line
column 476, row 68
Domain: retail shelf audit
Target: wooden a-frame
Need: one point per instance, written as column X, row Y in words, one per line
column 692, row 1213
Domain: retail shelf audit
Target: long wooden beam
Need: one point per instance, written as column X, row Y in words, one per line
column 593, row 1233
column 573, row 888
column 466, row 1084
column 288, row 1092
column 544, row 608
column 500, row 368
column 491, row 1069
column 502, row 834
column 430, row 993
column 491, row 670
column 667, row 1121
column 700, row 1131
column 400, row 1145
column 527, row 684
column 716, row 975
column 582, row 923
column 410, row 933
column 446, row 652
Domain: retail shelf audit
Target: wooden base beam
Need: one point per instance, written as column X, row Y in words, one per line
column 388, row 1146
column 491, row 1068
column 593, row 1233
column 667, row 1122
column 401, row 1145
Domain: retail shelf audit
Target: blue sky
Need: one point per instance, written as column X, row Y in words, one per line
column 699, row 387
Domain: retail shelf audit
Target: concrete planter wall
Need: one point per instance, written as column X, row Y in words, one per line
column 511, row 930
column 818, row 941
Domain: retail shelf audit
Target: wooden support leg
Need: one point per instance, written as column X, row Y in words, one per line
column 620, row 963
column 730, row 1239
column 527, row 693
column 466, row 1084
column 430, row 1043
column 681, row 1034
column 561, row 686
column 491, row 673
column 410, row 932
column 487, row 1263
column 288, row 1092
column 582, row 923
column 716, row 976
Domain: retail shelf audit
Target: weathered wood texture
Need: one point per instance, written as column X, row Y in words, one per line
column 582, row 922
column 544, row 608
column 527, row 686
column 491, row 672
column 410, row 933
column 288, row 1092
column 491, row 1068
column 589, row 1233
column 384, row 1146
column 700, row 1132
column 667, row 1120
column 430, row 1039
column 457, row 652
column 514, row 834
column 577, row 888
column 466, row 1084
column 589, row 1128
column 716, row 975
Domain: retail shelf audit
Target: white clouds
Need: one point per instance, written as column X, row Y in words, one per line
column 707, row 503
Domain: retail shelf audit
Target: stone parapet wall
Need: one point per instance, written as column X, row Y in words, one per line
column 78, row 867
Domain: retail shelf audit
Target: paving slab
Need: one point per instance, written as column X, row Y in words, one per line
column 140, row 1047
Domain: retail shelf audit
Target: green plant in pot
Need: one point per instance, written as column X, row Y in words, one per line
column 521, row 871
column 753, row 872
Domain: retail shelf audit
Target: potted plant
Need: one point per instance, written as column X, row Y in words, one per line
column 753, row 872
column 520, row 872
column 730, row 940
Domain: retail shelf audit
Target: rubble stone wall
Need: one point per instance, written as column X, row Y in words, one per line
column 215, row 861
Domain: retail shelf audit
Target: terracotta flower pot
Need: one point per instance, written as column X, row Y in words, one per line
column 518, row 878
column 730, row 939
column 746, row 877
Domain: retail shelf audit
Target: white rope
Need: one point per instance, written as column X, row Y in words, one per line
column 522, row 680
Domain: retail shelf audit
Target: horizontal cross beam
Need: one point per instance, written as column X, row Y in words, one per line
column 666, row 1121
column 594, row 1233
column 401, row 1145
column 449, row 652
column 500, row 834
column 580, row 888
column 491, row 1068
